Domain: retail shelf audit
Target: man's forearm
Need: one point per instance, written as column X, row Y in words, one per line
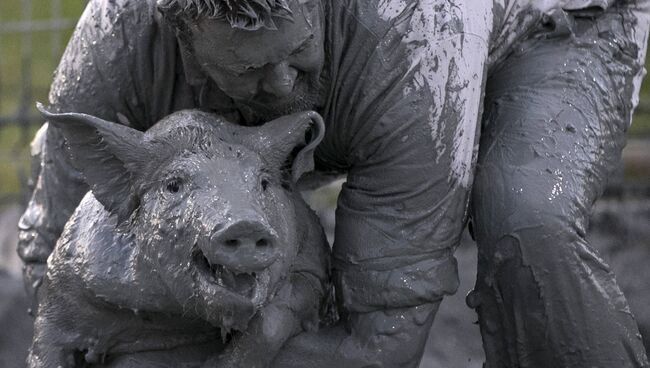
column 57, row 191
column 392, row 338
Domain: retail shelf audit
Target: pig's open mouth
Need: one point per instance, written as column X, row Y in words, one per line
column 249, row 285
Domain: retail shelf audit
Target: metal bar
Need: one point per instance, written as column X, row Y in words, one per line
column 26, row 62
column 26, row 94
column 13, row 119
column 55, row 35
column 643, row 107
column 37, row 25
column 1, row 72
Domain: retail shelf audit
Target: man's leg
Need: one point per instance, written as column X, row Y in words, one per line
column 556, row 113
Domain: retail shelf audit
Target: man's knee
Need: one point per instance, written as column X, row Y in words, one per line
column 526, row 206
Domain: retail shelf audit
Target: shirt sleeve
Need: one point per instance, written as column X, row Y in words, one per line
column 107, row 70
column 587, row 5
column 408, row 132
column 122, row 60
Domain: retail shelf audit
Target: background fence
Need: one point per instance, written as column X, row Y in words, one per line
column 33, row 34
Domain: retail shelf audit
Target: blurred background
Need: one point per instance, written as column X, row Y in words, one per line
column 33, row 35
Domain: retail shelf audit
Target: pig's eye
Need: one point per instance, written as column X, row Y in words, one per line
column 265, row 184
column 174, row 185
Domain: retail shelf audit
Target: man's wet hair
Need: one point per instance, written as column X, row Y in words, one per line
column 243, row 14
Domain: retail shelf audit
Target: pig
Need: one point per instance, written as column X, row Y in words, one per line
column 193, row 246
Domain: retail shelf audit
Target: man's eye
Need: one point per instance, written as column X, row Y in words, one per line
column 304, row 45
column 300, row 49
column 244, row 71
column 232, row 72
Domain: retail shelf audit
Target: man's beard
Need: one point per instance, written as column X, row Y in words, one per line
column 305, row 96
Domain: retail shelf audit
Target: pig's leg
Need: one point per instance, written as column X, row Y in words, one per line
column 290, row 312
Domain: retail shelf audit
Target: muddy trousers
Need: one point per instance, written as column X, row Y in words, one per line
column 556, row 113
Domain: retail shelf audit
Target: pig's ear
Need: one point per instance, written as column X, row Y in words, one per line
column 292, row 140
column 109, row 155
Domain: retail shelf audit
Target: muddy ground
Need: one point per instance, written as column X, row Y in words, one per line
column 620, row 231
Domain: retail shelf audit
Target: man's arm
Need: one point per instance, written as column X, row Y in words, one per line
column 56, row 193
column 400, row 215
column 99, row 74
column 398, row 339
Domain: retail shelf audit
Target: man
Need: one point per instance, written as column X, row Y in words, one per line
column 401, row 86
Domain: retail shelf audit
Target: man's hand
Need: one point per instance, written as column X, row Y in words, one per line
column 33, row 274
column 33, row 249
column 391, row 338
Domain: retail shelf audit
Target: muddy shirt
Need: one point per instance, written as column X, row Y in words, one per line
column 516, row 19
column 404, row 87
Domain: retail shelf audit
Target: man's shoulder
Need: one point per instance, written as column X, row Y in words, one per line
column 118, row 54
column 429, row 19
column 374, row 16
column 116, row 31
column 120, row 7
column 110, row 16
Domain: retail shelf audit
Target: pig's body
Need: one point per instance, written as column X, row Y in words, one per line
column 139, row 291
column 100, row 296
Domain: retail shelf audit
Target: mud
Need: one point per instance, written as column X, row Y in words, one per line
column 15, row 323
column 402, row 89
column 618, row 230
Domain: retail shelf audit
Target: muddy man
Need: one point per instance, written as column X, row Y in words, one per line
column 507, row 112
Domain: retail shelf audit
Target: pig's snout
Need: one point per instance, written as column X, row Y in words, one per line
column 243, row 246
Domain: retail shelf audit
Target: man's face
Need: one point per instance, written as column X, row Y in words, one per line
column 268, row 73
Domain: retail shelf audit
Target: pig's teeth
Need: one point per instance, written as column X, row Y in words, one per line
column 216, row 275
column 229, row 278
column 261, row 288
column 219, row 281
column 237, row 273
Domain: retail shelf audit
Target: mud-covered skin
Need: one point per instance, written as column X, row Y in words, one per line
column 403, row 84
column 191, row 232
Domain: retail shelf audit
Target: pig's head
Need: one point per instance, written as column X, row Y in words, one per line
column 211, row 203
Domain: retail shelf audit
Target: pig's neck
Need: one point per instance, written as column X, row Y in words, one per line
column 154, row 295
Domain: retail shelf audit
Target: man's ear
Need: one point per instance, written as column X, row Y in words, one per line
column 110, row 156
column 292, row 139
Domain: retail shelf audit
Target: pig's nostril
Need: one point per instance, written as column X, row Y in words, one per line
column 231, row 242
column 262, row 243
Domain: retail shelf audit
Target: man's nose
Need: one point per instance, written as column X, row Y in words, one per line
column 279, row 79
